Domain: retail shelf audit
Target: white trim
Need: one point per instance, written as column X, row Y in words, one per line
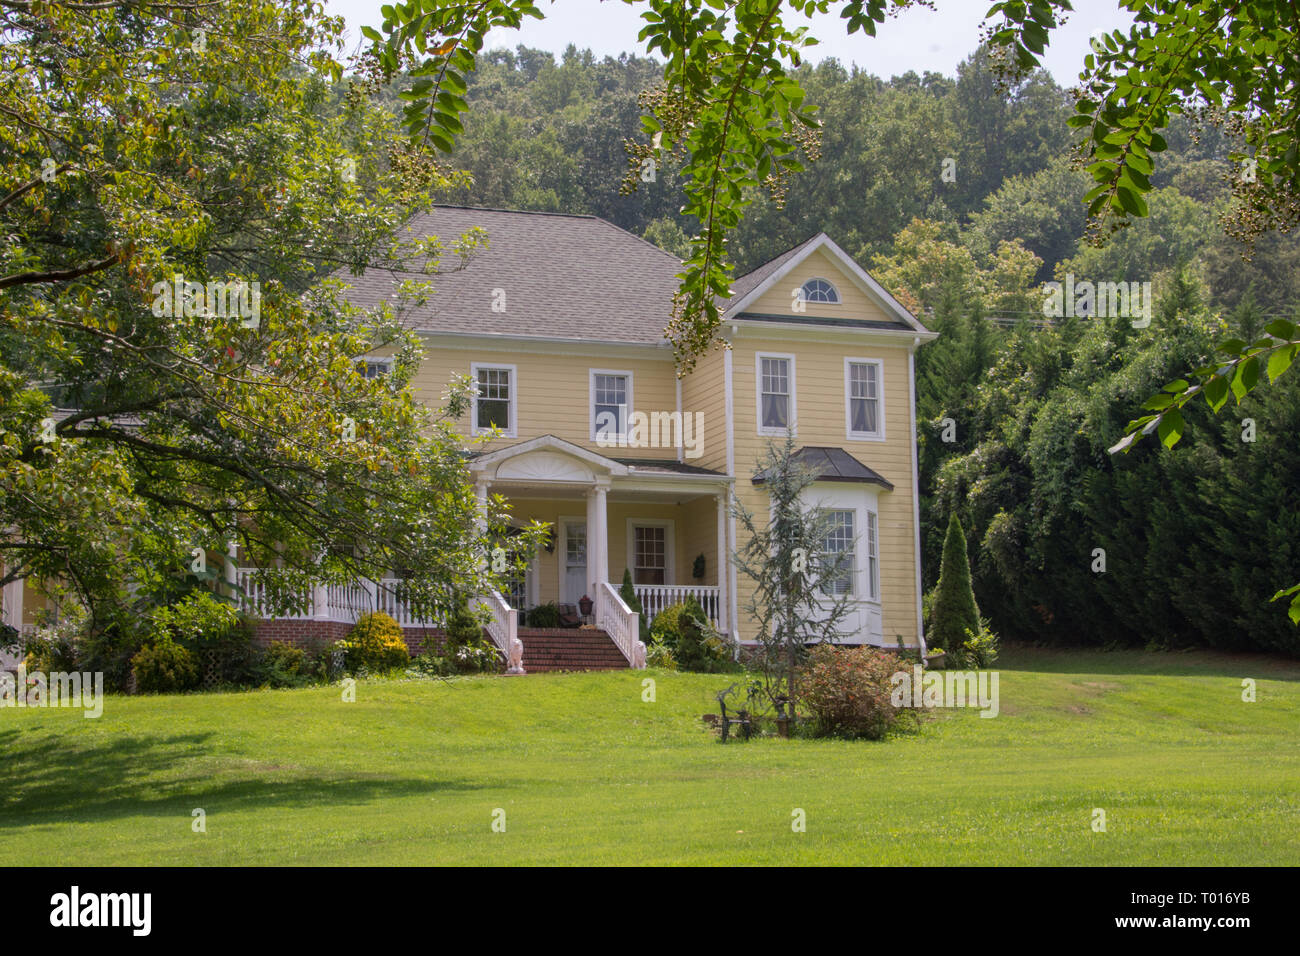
column 483, row 462
column 869, row 286
column 670, row 545
column 792, row 426
column 861, row 500
column 879, row 433
column 733, row 586
column 681, row 447
column 916, row 497
column 512, row 431
column 620, row 439
column 385, row 361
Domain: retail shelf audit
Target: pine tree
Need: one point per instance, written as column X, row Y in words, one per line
column 954, row 610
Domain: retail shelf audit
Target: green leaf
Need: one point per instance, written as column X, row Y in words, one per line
column 1280, row 361
column 1171, row 428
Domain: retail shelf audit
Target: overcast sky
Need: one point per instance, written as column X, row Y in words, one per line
column 918, row 39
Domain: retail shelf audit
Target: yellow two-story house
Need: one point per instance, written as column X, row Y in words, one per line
column 559, row 324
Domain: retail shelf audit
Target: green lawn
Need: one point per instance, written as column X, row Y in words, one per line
column 587, row 773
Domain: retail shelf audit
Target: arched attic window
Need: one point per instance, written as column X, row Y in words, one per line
column 820, row 290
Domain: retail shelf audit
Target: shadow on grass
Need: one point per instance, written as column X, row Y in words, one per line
column 48, row 779
column 1192, row 663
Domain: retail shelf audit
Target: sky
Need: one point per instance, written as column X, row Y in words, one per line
column 918, row 39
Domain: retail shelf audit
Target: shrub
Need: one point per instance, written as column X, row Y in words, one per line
column 847, row 691
column 953, row 609
column 699, row 647
column 375, row 643
column 659, row 654
column 544, row 615
column 664, row 626
column 980, row 649
column 284, row 665
column 463, row 628
column 477, row 657
column 164, row 667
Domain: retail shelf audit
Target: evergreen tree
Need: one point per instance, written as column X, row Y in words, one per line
column 954, row 605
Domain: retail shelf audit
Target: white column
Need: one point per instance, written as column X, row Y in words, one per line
column 593, row 556
column 601, row 535
column 480, row 494
column 13, row 604
column 724, row 562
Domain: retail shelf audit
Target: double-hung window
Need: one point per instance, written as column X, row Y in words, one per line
column 495, row 399
column 776, row 395
column 649, row 554
column 611, row 401
column 864, row 399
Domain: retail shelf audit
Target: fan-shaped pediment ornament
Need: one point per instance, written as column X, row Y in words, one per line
column 544, row 466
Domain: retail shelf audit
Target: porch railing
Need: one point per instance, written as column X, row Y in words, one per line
column 621, row 623
column 655, row 597
column 503, row 628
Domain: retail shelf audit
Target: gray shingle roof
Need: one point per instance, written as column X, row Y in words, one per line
column 751, row 280
column 833, row 464
column 566, row 277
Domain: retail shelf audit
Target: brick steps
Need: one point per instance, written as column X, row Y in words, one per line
column 569, row 650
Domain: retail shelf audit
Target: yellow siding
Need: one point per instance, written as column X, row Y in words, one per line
column 553, row 392
column 704, row 390
column 853, row 303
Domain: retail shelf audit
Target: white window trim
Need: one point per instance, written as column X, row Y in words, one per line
column 879, row 433
column 591, row 402
column 861, row 501
column 512, row 431
column 839, row 299
column 670, row 546
column 758, row 395
column 382, row 360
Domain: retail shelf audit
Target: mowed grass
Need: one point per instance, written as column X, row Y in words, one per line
column 586, row 772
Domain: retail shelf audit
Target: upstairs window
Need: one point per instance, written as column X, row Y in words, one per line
column 374, row 368
column 775, row 394
column 494, row 399
column 611, row 399
column 819, row 290
column 862, row 387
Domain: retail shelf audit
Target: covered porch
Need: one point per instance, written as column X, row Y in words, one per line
column 660, row 520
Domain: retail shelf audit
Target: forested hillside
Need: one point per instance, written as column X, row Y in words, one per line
column 1017, row 415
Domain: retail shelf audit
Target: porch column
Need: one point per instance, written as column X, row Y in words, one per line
column 13, row 604
column 480, row 495
column 724, row 564
column 597, row 536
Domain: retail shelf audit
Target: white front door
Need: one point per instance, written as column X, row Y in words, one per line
column 574, row 581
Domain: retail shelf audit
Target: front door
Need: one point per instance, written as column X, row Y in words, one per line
column 575, row 562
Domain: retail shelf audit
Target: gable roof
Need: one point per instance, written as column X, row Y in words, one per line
column 833, row 464
column 749, row 287
column 564, row 277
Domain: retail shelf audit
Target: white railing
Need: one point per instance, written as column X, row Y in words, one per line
column 253, row 598
column 621, row 623
column 655, row 597
column 402, row 613
column 503, row 628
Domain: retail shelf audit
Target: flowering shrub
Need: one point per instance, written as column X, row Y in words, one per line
column 375, row 643
column 847, row 691
column 659, row 654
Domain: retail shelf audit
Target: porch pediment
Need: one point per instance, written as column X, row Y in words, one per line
column 546, row 459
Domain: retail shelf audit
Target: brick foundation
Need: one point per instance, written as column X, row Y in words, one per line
column 314, row 635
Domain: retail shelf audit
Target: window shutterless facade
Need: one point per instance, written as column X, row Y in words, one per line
column 611, row 402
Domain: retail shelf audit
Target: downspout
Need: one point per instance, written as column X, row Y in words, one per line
column 916, row 496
